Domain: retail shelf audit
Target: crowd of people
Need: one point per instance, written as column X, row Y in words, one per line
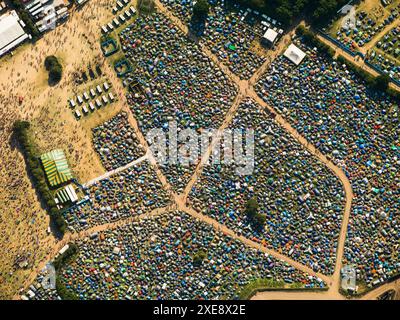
column 359, row 129
column 171, row 256
column 302, row 200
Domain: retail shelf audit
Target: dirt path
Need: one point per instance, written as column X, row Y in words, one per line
column 356, row 60
column 115, row 171
column 220, row 227
column 246, row 90
column 375, row 293
column 296, row 295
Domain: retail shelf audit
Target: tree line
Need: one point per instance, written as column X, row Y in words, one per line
column 21, row 134
column 62, row 260
column 286, row 11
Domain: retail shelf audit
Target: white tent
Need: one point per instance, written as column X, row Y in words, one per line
column 11, row 32
column 294, row 54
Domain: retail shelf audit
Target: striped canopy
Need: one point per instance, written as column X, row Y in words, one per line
column 56, row 167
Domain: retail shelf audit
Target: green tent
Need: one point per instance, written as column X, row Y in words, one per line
column 56, row 167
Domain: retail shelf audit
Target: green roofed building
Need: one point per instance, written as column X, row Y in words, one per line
column 56, row 167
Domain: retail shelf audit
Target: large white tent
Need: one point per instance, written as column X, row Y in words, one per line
column 294, row 54
column 11, row 32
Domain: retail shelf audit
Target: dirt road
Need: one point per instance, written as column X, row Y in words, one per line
column 356, row 60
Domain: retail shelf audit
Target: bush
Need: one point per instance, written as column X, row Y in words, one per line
column 200, row 10
column 66, row 257
column 198, row 258
column 54, row 67
column 257, row 219
column 63, row 292
column 312, row 40
column 20, row 130
column 382, row 82
column 59, row 263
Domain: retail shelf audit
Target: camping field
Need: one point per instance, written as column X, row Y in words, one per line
column 371, row 26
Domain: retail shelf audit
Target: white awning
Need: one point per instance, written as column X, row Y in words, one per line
column 270, row 35
column 11, row 32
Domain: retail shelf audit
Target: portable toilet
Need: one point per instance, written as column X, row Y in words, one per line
column 92, row 93
column 98, row 103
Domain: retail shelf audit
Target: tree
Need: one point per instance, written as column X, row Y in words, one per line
column 54, row 67
column 256, row 219
column 251, row 207
column 198, row 258
column 200, row 10
column 259, row 220
column 382, row 82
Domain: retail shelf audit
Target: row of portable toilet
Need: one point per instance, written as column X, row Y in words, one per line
column 120, row 5
column 86, row 96
column 117, row 22
column 99, row 102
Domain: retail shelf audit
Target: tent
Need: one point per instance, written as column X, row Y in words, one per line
column 56, row 167
column 270, row 36
column 294, row 54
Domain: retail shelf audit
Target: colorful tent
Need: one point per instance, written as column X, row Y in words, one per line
column 56, row 167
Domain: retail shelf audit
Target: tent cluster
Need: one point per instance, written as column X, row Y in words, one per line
column 364, row 29
column 116, row 142
column 360, row 130
column 173, row 81
column 386, row 60
column 302, row 200
column 231, row 33
column 154, row 259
